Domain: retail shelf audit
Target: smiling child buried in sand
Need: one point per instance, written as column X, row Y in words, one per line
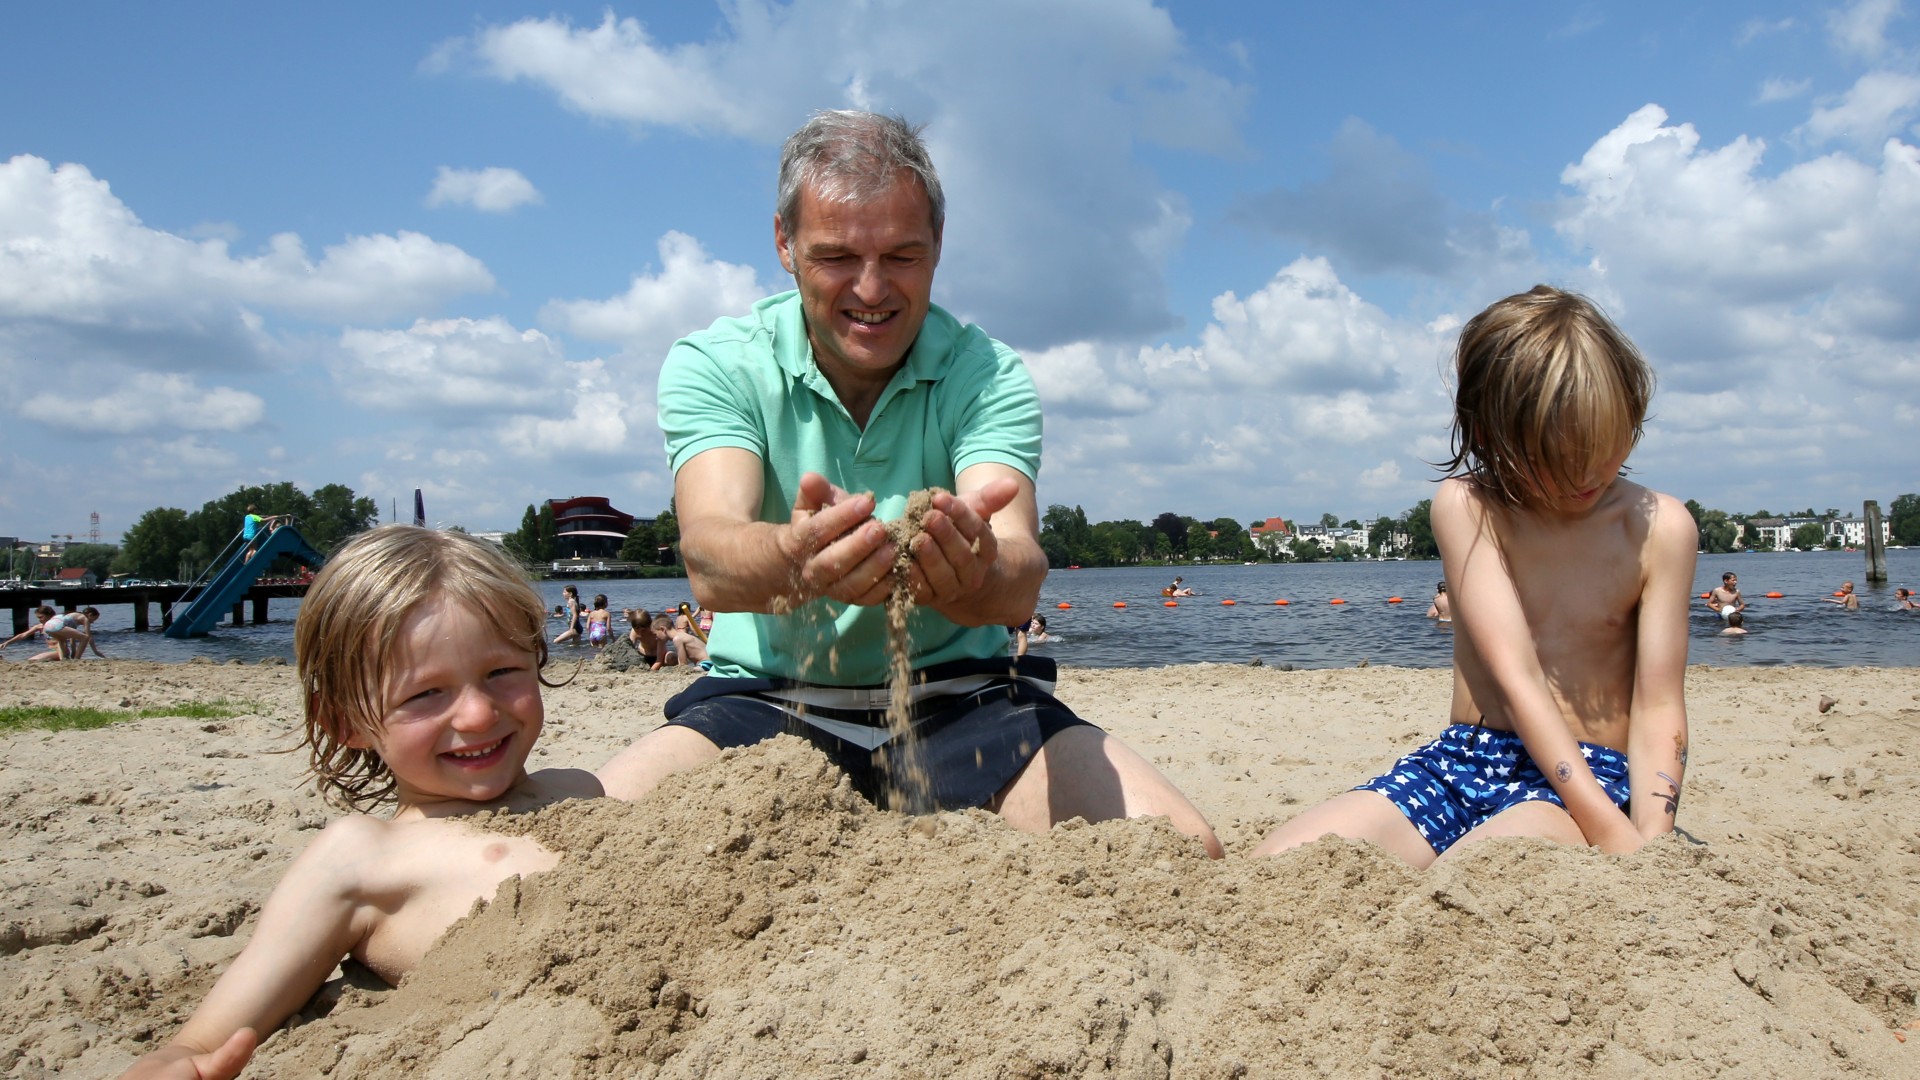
column 419, row 658
column 1564, row 698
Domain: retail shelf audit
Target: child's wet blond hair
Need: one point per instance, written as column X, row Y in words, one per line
column 343, row 638
column 1546, row 389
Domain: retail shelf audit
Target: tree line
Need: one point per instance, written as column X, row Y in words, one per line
column 1069, row 540
column 1718, row 529
column 653, row 543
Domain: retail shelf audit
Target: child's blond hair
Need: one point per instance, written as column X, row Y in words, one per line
column 1546, row 389
column 343, row 638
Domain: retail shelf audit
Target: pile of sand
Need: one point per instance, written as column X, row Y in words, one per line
column 756, row 918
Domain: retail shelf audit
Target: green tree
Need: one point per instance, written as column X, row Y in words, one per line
column 1329, row 521
column 640, row 546
column 1716, row 532
column 1903, row 520
column 1419, row 523
column 151, row 549
column 1174, row 528
column 547, row 536
column 1065, row 536
column 95, row 557
column 524, row 542
column 1809, row 536
column 1379, row 535
column 1305, row 551
column 1342, row 551
column 335, row 515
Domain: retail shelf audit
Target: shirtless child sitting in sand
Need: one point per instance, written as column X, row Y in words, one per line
column 419, row 656
column 1564, row 700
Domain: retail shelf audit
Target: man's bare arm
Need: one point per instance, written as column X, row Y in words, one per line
column 1657, row 729
column 1487, row 609
column 831, row 547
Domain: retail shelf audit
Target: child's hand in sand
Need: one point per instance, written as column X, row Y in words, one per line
column 180, row 1062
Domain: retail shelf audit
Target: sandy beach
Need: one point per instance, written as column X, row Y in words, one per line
column 756, row 919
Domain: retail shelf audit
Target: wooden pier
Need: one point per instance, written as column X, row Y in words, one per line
column 143, row 598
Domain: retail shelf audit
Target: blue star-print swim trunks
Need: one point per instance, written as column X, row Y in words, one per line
column 1471, row 773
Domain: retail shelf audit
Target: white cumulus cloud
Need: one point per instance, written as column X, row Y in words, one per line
column 495, row 190
column 690, row 290
column 146, row 402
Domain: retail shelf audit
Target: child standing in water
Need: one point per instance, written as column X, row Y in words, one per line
column 419, row 658
column 1564, row 700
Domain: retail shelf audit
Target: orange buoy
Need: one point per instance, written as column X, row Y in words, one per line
column 1336, row 600
column 1119, row 603
column 1775, row 595
column 1281, row 603
column 1393, row 600
column 1704, row 595
column 1064, row 606
column 1171, row 603
column 1838, row 593
column 1228, row 603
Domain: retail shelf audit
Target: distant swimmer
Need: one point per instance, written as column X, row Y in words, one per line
column 1725, row 600
column 1906, row 600
column 1176, row 589
column 1846, row 597
column 1736, row 624
column 1441, row 608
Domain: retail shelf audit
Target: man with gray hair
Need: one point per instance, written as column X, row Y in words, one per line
column 793, row 432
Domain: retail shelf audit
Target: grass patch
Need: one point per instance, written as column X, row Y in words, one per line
column 59, row 718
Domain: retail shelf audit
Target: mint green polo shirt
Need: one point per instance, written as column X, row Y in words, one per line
column 960, row 399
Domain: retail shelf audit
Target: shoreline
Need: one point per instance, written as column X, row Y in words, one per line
column 1775, row 941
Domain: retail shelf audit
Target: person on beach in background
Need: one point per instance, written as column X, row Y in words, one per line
column 599, row 622
column 1726, row 600
column 250, row 527
column 50, row 624
column 1736, row 624
column 1441, row 608
column 419, row 656
column 643, row 637
column 576, row 616
column 76, row 637
column 774, row 426
column 683, row 646
column 1564, row 700
column 1846, row 597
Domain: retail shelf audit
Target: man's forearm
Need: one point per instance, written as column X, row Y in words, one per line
column 741, row 567
column 1010, row 592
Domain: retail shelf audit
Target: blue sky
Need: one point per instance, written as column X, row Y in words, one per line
column 445, row 246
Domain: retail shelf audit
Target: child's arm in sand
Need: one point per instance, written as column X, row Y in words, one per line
column 1487, row 610
column 309, row 923
column 1657, row 730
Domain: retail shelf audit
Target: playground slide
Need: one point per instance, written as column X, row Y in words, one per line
column 230, row 585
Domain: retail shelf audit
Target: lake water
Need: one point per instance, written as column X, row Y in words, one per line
column 1308, row 633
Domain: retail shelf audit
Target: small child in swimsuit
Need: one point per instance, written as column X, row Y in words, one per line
column 599, row 622
column 1736, row 624
column 576, row 616
column 51, row 623
column 440, row 722
column 1564, row 700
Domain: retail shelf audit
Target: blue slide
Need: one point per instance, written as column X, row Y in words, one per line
column 230, row 585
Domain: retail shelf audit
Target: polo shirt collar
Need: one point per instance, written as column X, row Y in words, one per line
column 926, row 360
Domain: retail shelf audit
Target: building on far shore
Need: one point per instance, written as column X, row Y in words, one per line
column 588, row 527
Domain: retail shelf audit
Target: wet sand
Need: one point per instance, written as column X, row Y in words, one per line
column 755, row 918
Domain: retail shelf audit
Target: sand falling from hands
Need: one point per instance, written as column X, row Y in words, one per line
column 908, row 787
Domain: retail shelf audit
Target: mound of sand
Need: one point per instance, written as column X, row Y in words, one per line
column 756, row 918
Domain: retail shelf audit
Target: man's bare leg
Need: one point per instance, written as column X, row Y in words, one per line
column 1538, row 819
column 637, row 770
column 1083, row 772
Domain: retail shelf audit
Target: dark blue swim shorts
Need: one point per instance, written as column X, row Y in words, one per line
column 975, row 725
column 1470, row 773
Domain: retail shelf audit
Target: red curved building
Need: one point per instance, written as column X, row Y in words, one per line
column 588, row 527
